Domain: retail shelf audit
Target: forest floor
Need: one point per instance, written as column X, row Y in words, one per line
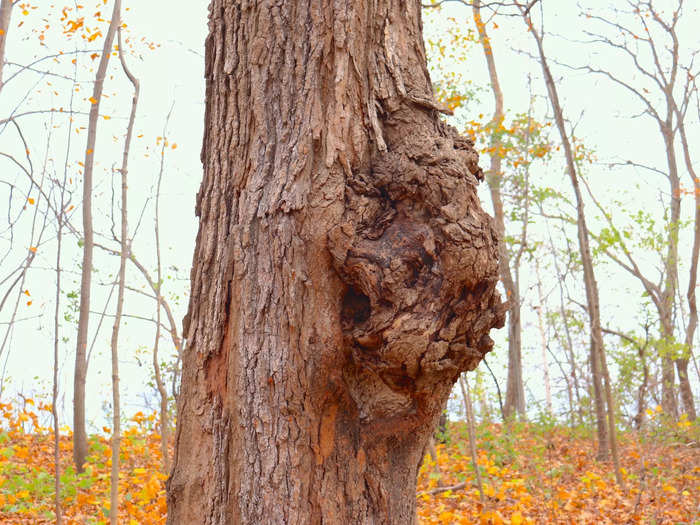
column 543, row 473
column 535, row 473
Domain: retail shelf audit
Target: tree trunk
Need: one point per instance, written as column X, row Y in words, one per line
column 471, row 430
column 344, row 273
column 160, row 384
column 54, row 391
column 80, row 445
column 669, row 402
column 682, row 363
column 5, row 16
column 598, row 366
column 515, row 392
column 123, row 256
column 668, row 296
column 541, row 314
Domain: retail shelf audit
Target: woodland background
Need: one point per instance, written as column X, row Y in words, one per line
column 626, row 79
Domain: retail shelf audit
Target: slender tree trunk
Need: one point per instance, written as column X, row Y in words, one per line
column 668, row 375
column 432, row 450
column 116, row 405
column 80, row 445
column 344, row 273
column 598, row 364
column 543, row 339
column 123, row 256
column 642, row 391
column 668, row 295
column 5, row 16
column 160, row 385
column 61, row 220
column 54, row 390
column 682, row 363
column 515, row 392
column 471, row 429
column 569, row 343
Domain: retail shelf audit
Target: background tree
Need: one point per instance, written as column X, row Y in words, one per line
column 598, row 361
column 80, row 445
column 515, row 392
column 652, row 45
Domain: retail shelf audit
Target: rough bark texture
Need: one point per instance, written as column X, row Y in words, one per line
column 344, row 273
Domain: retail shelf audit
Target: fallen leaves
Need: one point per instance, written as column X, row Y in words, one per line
column 535, row 475
column 27, row 480
column 531, row 475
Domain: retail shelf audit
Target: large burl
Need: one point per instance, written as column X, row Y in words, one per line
column 419, row 258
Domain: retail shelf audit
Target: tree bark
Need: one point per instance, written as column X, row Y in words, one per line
column 5, row 16
column 80, row 445
column 515, row 391
column 344, row 273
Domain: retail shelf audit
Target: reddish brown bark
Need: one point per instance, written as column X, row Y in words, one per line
column 344, row 273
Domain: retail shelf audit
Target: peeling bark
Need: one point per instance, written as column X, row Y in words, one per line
column 344, row 273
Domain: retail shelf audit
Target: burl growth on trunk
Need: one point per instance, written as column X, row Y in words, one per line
column 419, row 258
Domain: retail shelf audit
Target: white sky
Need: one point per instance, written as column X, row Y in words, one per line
column 172, row 75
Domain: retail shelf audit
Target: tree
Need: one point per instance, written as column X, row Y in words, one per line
column 515, row 391
column 598, row 361
column 344, row 273
column 80, row 444
column 651, row 43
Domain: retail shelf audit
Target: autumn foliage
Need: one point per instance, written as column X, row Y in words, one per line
column 539, row 473
column 26, row 470
column 536, row 473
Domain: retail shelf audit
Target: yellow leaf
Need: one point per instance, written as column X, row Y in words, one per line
column 516, row 518
column 139, row 470
column 93, row 100
column 30, row 200
column 32, row 249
